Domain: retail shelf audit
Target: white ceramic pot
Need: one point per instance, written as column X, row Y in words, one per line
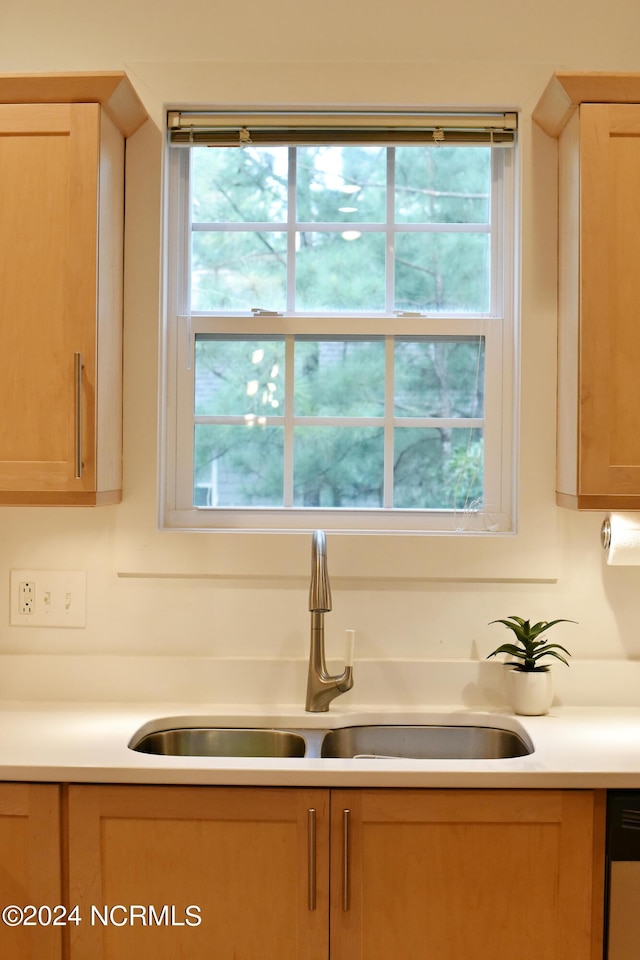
column 530, row 694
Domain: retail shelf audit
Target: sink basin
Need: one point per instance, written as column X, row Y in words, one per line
column 424, row 743
column 221, row 742
column 411, row 742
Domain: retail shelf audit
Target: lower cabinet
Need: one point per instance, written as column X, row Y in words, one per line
column 231, row 873
column 466, row 875
column 299, row 874
column 246, row 873
column 30, row 872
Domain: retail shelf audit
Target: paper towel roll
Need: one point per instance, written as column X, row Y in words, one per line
column 624, row 542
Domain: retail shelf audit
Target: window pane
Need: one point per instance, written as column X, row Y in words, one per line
column 238, row 271
column 339, row 378
column 338, row 467
column 239, row 378
column 236, row 186
column 373, row 413
column 438, row 272
column 438, row 469
column 443, row 184
column 439, row 377
column 340, row 271
column 341, row 184
column 238, row 466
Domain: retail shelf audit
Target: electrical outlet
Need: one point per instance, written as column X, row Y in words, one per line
column 26, row 598
column 48, row 598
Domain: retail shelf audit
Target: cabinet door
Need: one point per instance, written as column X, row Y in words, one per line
column 463, row 875
column 609, row 402
column 254, row 862
column 49, row 163
column 30, row 868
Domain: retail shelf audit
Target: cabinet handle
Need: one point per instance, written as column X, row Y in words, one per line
column 311, row 834
column 77, row 410
column 346, row 821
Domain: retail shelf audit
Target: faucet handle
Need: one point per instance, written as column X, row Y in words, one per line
column 349, row 644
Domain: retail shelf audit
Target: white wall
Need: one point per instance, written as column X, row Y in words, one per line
column 407, row 597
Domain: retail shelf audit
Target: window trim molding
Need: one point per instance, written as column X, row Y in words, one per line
column 177, row 349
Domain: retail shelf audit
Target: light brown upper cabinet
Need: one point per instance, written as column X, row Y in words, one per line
column 597, row 120
column 62, row 143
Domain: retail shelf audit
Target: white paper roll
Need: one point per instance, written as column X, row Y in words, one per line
column 624, row 548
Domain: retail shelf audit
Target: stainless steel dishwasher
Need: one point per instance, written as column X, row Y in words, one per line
column 622, row 918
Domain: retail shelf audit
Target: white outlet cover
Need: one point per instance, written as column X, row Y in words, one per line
column 60, row 598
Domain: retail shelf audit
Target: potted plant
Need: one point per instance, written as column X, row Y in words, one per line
column 529, row 680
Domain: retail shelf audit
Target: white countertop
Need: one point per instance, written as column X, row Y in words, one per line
column 70, row 718
column 574, row 747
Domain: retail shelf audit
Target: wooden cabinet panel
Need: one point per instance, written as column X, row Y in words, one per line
column 599, row 288
column 30, row 867
column 245, row 857
column 48, row 235
column 61, row 271
column 609, row 293
column 465, row 875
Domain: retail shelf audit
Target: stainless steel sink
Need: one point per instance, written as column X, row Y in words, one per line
column 424, row 743
column 221, row 742
column 367, row 741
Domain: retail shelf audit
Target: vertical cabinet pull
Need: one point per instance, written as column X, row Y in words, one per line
column 311, row 858
column 77, row 414
column 346, row 818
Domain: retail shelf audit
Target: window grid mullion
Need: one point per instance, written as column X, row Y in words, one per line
column 389, row 405
column 420, row 423
column 291, row 230
column 496, row 307
column 289, row 392
column 389, row 390
column 390, row 236
column 330, row 226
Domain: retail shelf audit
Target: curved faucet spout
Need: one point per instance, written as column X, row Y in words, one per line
column 320, row 589
column 322, row 688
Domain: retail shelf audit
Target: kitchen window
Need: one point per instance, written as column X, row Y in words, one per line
column 340, row 326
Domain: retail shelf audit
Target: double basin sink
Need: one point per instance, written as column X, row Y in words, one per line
column 365, row 741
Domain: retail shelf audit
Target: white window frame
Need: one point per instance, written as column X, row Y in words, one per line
column 181, row 327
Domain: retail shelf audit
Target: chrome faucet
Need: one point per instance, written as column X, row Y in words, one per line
column 322, row 688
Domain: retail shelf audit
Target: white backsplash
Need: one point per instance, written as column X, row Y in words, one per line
column 278, row 681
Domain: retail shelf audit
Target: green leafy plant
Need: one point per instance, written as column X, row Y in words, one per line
column 529, row 649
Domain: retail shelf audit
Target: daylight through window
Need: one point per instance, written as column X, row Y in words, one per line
column 340, row 326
